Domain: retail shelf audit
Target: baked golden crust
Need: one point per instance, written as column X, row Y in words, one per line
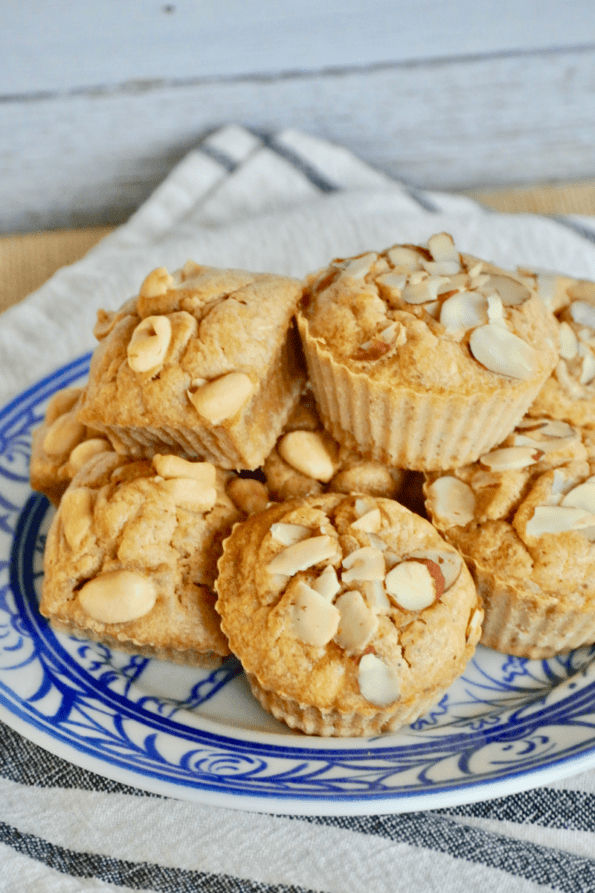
column 316, row 685
column 131, row 556
column 524, row 521
column 57, row 452
column 420, row 362
column 204, row 363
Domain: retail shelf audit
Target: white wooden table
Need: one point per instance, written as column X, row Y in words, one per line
column 98, row 100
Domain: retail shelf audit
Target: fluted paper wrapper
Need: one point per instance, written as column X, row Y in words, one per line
column 419, row 430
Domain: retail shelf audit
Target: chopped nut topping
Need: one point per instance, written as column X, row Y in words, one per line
column 415, row 585
column 366, row 563
column 248, row 495
column 510, row 458
column 118, row 596
column 288, row 534
column 378, row 683
column 371, row 522
column 357, row 624
column 308, row 453
column 314, row 618
column 502, row 352
column 442, row 248
column 512, row 292
column 303, row 555
column 463, row 311
column 450, row 563
column 327, row 584
column 581, row 496
column 451, row 502
column 220, row 399
column 558, row 519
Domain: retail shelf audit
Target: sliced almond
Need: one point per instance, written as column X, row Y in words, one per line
column 510, row 290
column 303, row 555
column 314, row 619
column 502, row 352
column 582, row 497
column 375, row 595
column 307, row 452
column 359, row 267
column 412, row 584
column 288, row 534
column 451, row 502
column 190, row 494
column 558, row 519
column 511, row 458
column 175, row 467
column 442, row 248
column 588, row 364
column 393, row 280
column 496, row 310
column 408, row 258
column 358, row 622
column 422, row 291
column 222, row 398
column 366, row 563
column 568, row 341
column 465, row 310
column 327, row 583
column 450, row 564
column 583, row 313
column 378, row 683
column 371, row 522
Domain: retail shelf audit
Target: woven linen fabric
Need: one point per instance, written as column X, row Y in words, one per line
column 285, row 203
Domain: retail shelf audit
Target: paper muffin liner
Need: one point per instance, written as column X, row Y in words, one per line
column 326, row 723
column 422, row 431
column 523, row 623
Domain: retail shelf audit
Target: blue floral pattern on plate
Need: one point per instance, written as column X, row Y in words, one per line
column 508, row 723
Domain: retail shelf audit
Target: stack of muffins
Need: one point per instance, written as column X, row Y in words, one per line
column 236, row 477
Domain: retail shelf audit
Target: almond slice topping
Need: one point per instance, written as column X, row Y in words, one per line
column 502, row 352
column 442, row 248
column 568, row 341
column 451, row 502
column 415, row 585
column 371, row 522
column 583, row 313
column 511, row 458
column 366, row 563
column 400, row 256
column 220, row 399
column 450, row 563
column 582, row 497
column 288, row 534
column 512, row 292
column 303, row 555
column 359, row 267
column 306, row 451
column 378, row 683
column 314, row 619
column 375, row 595
column 327, row 584
column 558, row 519
column 464, row 311
column 358, row 622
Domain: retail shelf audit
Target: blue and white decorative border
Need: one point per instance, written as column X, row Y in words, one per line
column 507, row 723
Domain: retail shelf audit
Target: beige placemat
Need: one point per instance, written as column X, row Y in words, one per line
column 27, row 261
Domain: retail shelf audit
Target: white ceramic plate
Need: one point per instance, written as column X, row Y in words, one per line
column 506, row 725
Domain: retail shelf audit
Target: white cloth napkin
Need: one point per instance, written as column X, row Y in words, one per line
column 288, row 204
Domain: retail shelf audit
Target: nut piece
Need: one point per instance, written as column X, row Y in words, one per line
column 156, row 283
column 378, row 683
column 288, row 534
column 220, row 399
column 248, row 495
column 366, row 563
column 314, row 619
column 451, row 502
column 306, row 451
column 118, row 596
column 190, row 494
column 358, row 622
column 581, row 497
column 450, row 563
column 63, row 435
column 175, row 467
column 558, row 519
column 148, row 345
column 415, row 585
column 502, row 352
column 511, row 458
column 61, row 402
column 84, row 451
column 327, row 584
column 303, row 555
column 76, row 513
column 371, row 522
column 464, row 311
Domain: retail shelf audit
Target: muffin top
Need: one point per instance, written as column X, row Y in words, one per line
column 150, row 531
column 430, row 318
column 526, row 510
column 346, row 602
column 193, row 343
column 569, row 392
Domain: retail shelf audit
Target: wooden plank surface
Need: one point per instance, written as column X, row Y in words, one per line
column 99, row 101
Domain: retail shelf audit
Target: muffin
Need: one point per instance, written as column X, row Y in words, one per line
column 569, row 392
column 421, row 357
column 523, row 517
column 306, row 460
column 62, row 445
column 350, row 614
column 204, row 363
column 131, row 557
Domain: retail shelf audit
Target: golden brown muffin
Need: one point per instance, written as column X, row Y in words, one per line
column 421, row 357
column 523, row 517
column 131, row 557
column 349, row 614
column 204, row 363
column 569, row 392
column 62, row 445
column 306, row 460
